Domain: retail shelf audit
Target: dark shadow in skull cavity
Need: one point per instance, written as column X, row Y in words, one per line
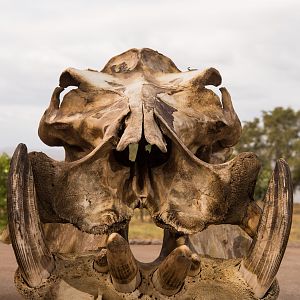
column 147, row 154
column 145, row 236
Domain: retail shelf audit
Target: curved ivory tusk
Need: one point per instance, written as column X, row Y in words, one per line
column 171, row 274
column 121, row 264
column 34, row 259
column 260, row 266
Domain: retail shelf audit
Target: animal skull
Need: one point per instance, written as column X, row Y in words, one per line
column 141, row 133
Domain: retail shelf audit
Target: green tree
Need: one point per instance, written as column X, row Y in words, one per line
column 281, row 127
column 4, row 169
column 275, row 135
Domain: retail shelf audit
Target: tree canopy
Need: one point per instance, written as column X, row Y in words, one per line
column 4, row 168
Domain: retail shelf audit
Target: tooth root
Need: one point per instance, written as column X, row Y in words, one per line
column 34, row 259
column 170, row 275
column 260, row 266
column 122, row 265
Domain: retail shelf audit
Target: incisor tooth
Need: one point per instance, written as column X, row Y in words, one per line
column 170, row 275
column 121, row 264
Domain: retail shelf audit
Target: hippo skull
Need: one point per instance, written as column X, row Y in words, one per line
column 141, row 133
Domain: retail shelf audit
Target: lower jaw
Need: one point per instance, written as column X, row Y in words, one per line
column 76, row 275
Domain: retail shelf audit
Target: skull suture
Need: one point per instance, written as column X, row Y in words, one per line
column 140, row 133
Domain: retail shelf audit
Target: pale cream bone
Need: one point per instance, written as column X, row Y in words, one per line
column 141, row 133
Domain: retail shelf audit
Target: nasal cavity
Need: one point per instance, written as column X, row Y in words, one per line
column 143, row 153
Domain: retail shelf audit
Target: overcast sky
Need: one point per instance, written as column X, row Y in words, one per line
column 254, row 44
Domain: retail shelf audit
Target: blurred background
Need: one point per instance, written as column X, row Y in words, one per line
column 253, row 44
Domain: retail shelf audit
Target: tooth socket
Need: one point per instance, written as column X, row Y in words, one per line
column 170, row 275
column 100, row 264
column 122, row 264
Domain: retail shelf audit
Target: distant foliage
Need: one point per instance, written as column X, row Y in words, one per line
column 276, row 134
column 4, row 169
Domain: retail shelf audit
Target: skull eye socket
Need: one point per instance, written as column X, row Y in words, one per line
column 204, row 153
column 75, row 152
column 215, row 153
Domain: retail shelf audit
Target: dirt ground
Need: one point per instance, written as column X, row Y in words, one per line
column 288, row 275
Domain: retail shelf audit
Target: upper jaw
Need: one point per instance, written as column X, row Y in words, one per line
column 193, row 196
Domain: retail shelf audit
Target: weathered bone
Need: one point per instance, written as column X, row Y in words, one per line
column 60, row 123
column 45, row 131
column 260, row 266
column 141, row 133
column 134, row 88
column 94, row 205
column 195, row 78
column 195, row 193
column 121, row 264
column 251, row 219
column 234, row 128
column 33, row 257
column 171, row 274
column 87, row 79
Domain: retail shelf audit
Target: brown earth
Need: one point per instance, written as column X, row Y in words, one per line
column 288, row 275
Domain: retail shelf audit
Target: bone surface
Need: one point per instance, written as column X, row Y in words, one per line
column 122, row 265
column 142, row 134
column 170, row 275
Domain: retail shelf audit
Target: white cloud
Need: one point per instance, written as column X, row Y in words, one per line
column 254, row 44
